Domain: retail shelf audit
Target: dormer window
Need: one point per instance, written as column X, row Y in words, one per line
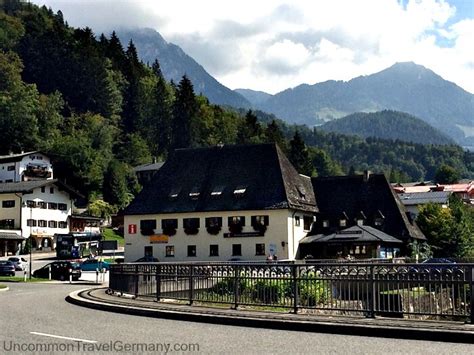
column 194, row 194
column 174, row 193
column 217, row 191
column 343, row 220
column 361, row 218
column 379, row 219
column 240, row 191
column 301, row 192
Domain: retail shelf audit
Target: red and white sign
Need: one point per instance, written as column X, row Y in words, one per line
column 132, row 229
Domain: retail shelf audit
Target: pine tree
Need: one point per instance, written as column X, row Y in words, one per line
column 274, row 134
column 133, row 72
column 163, row 113
column 115, row 52
column 251, row 131
column 185, row 111
column 299, row 155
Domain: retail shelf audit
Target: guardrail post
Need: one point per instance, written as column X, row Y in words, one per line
column 136, row 281
column 191, row 284
column 371, row 293
column 236, row 285
column 158, row 283
column 471, row 291
column 295, row 277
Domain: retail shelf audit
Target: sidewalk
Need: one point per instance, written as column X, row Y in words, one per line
column 97, row 298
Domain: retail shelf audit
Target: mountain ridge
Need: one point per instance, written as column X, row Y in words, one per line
column 388, row 124
column 175, row 63
column 405, row 87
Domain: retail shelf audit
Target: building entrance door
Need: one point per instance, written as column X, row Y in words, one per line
column 148, row 251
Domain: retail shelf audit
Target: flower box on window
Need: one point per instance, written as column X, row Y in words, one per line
column 169, row 226
column 191, row 226
column 213, row 225
column 236, row 224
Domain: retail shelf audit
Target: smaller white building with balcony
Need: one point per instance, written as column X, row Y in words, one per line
column 28, row 166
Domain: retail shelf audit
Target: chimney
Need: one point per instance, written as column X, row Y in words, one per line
column 154, row 160
column 366, row 175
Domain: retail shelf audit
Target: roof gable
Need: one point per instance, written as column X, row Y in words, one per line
column 372, row 195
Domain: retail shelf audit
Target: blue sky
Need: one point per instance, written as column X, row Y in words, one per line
column 272, row 45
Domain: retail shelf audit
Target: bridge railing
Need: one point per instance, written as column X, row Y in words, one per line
column 369, row 289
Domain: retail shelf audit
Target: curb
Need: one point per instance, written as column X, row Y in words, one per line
column 4, row 289
column 281, row 324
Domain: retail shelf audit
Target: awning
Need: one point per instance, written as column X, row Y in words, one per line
column 10, row 236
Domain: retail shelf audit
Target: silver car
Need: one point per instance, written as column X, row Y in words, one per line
column 20, row 263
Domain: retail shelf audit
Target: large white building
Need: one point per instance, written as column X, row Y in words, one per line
column 38, row 209
column 221, row 203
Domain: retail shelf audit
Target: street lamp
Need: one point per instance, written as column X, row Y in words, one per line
column 30, row 239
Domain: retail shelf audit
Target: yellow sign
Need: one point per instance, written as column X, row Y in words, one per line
column 159, row 238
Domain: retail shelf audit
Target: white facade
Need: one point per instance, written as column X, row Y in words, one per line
column 25, row 167
column 284, row 231
column 40, row 214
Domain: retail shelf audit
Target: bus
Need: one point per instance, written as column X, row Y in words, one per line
column 77, row 245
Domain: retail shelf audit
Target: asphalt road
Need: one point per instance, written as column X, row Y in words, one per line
column 36, row 317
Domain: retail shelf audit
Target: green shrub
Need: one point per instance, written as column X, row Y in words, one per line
column 271, row 291
column 227, row 286
column 313, row 292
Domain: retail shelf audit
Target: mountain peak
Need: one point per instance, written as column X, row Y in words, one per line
column 409, row 69
column 174, row 63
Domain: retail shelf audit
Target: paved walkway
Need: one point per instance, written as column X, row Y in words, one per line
column 380, row 327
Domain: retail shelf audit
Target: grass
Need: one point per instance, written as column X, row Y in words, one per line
column 112, row 260
column 20, row 279
column 2, row 286
column 109, row 234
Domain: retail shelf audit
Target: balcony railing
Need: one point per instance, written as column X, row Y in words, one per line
column 369, row 289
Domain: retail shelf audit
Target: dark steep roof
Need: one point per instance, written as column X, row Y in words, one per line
column 372, row 195
column 210, row 179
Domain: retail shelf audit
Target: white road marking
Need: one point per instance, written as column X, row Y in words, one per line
column 66, row 338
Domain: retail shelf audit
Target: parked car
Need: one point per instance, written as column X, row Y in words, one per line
column 94, row 264
column 60, row 270
column 7, row 268
column 20, row 263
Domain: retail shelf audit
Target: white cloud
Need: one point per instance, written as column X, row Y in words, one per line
column 272, row 45
column 284, row 57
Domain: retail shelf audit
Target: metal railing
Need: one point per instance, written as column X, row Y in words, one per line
column 369, row 289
